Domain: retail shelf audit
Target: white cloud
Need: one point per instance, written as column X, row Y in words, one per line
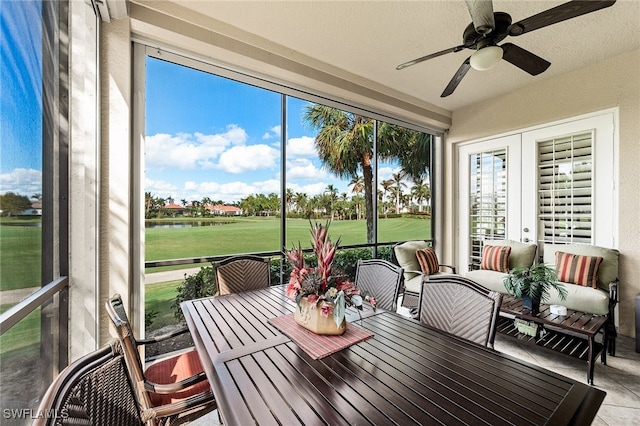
column 160, row 188
column 241, row 159
column 190, row 151
column 21, row 181
column 273, row 132
column 304, row 169
column 301, row 147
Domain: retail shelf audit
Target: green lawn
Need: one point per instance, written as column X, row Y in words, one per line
column 20, row 250
column 246, row 235
column 20, row 256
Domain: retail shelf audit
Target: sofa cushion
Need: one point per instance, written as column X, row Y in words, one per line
column 608, row 271
column 428, row 260
column 581, row 298
column 491, row 280
column 578, row 269
column 496, row 258
column 522, row 255
column 406, row 256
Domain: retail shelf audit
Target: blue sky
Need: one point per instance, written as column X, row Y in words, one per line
column 207, row 136
column 20, row 98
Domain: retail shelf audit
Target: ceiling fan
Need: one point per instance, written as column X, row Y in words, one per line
column 487, row 29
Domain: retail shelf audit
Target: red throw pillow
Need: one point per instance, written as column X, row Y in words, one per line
column 578, row 269
column 496, row 258
column 428, row 260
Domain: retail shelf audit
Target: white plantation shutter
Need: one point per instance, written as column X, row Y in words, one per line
column 487, row 200
column 565, row 173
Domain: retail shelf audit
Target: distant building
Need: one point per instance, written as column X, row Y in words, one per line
column 173, row 209
column 35, row 210
column 222, row 210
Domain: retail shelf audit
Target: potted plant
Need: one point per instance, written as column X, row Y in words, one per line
column 532, row 285
column 321, row 295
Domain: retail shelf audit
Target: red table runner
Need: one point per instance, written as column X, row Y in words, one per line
column 315, row 345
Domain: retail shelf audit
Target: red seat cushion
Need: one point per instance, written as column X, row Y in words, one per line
column 173, row 370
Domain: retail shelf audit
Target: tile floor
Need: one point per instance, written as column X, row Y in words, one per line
column 620, row 378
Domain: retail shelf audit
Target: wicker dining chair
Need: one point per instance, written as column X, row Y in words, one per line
column 93, row 390
column 242, row 273
column 171, row 389
column 460, row 306
column 382, row 279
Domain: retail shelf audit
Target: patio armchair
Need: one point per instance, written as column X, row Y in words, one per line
column 461, row 307
column 93, row 390
column 404, row 255
column 382, row 279
column 242, row 273
column 171, row 389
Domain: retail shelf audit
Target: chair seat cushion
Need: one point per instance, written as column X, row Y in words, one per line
column 583, row 299
column 173, row 370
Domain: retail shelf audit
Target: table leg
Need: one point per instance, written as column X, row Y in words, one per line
column 605, row 344
column 590, row 361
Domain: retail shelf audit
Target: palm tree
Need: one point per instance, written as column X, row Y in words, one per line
column 345, row 147
column 288, row 199
column 398, row 184
column 332, row 196
column 421, row 192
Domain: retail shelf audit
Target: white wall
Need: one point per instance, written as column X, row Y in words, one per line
column 611, row 83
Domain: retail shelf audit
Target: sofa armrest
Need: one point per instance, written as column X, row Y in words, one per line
column 613, row 296
column 452, row 268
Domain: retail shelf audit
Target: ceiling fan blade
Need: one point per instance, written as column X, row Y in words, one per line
column 557, row 14
column 431, row 56
column 481, row 12
column 462, row 71
column 523, row 59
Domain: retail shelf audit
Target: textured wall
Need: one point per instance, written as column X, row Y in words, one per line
column 607, row 84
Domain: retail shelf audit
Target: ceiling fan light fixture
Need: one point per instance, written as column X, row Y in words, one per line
column 486, row 58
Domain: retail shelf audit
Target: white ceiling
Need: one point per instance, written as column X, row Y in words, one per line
column 370, row 38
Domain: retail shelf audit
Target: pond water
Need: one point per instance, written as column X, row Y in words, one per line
column 182, row 224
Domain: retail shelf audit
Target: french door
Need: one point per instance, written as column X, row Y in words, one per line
column 556, row 184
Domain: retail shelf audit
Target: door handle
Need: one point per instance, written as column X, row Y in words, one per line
column 525, row 240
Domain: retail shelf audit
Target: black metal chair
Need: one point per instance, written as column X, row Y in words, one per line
column 242, row 273
column 461, row 307
column 93, row 390
column 172, row 389
column 382, row 279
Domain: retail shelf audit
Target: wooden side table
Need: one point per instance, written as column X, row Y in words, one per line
column 573, row 334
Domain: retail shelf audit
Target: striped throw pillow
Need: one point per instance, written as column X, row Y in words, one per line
column 578, row 269
column 428, row 260
column 496, row 258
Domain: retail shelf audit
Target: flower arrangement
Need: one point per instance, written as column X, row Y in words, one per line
column 324, row 290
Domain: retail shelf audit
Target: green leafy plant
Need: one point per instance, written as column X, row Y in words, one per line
column 534, row 282
column 196, row 286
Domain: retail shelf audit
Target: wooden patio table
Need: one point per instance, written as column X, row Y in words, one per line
column 406, row 373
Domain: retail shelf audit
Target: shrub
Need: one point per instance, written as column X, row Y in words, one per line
column 196, row 286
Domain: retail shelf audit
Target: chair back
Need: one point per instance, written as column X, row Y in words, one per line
column 93, row 390
column 404, row 255
column 242, row 273
column 461, row 307
column 118, row 315
column 382, row 279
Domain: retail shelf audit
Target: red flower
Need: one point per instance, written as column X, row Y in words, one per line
column 326, row 309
